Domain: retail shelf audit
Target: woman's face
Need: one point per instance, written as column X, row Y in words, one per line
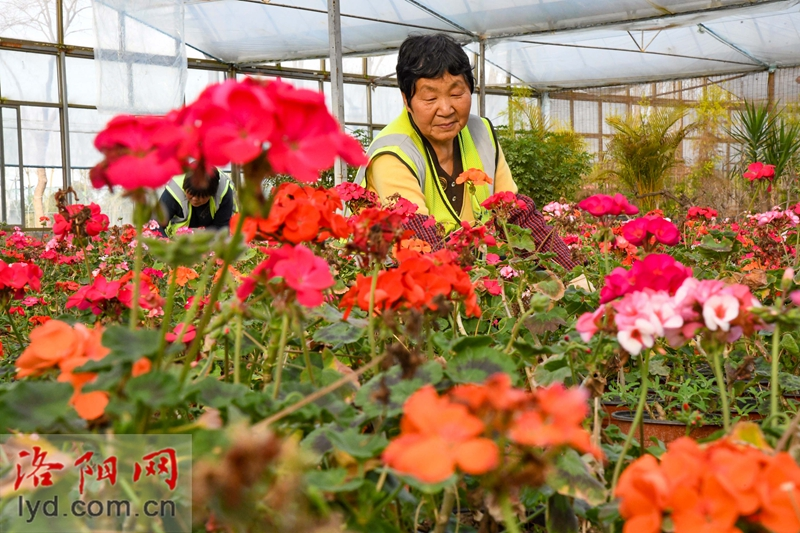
column 440, row 107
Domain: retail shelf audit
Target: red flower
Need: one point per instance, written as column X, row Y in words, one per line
column 601, row 205
column 415, row 284
column 698, row 212
column 505, row 199
column 299, row 214
column 640, row 230
column 303, row 272
column 759, row 171
column 14, row 278
column 94, row 222
column 659, row 272
column 375, row 231
column 175, row 334
column 236, row 120
column 307, row 139
column 133, row 156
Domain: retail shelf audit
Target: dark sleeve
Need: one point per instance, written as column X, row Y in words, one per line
column 225, row 211
column 416, row 223
column 545, row 237
column 169, row 208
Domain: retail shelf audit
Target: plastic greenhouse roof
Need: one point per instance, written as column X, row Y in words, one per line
column 547, row 44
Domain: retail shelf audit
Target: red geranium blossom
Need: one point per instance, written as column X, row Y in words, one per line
column 601, row 205
column 302, row 271
column 759, row 171
column 659, row 272
column 95, row 223
column 133, row 156
column 16, row 276
column 640, row 231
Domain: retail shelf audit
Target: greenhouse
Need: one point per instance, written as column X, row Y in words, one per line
column 400, row 266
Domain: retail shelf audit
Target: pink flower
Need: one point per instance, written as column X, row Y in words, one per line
column 794, row 296
column 303, row 272
column 601, row 204
column 589, row 323
column 759, row 171
column 492, row 259
column 635, row 231
column 508, row 272
column 659, row 272
column 492, row 286
column 719, row 310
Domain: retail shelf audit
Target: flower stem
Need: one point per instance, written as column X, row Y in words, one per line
column 137, row 269
column 7, row 308
column 212, row 300
column 280, row 354
column 370, row 318
column 237, row 350
column 774, row 386
column 446, row 509
column 173, row 286
column 515, row 330
column 304, row 345
column 643, row 384
column 723, row 391
column 510, row 519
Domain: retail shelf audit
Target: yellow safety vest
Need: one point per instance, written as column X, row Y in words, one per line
column 175, row 189
column 478, row 150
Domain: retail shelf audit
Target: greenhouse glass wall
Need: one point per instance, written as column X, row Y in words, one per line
column 583, row 64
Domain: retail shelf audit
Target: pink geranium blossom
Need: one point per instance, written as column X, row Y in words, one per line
column 601, row 205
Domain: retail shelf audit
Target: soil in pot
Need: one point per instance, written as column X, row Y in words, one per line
column 664, row 430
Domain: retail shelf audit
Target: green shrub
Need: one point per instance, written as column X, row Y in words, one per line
column 546, row 165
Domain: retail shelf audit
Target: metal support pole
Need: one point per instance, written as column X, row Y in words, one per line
column 3, row 188
column 337, row 86
column 771, row 89
column 544, row 103
column 236, row 174
column 63, row 115
column 482, row 80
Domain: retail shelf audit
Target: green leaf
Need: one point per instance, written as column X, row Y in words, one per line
column 181, row 250
column 399, row 389
column 338, row 334
column 561, row 516
column 521, row 238
column 789, row 344
column 554, row 370
column 129, row 346
column 571, row 477
column 475, row 364
column 29, row 406
column 658, row 367
column 155, row 389
column 215, row 393
column 333, row 480
column 357, row 444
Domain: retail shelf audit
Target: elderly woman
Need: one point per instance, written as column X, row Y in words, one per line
column 420, row 154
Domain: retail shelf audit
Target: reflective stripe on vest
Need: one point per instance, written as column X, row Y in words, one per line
column 175, row 188
column 478, row 150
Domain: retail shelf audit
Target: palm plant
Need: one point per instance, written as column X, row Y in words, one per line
column 644, row 149
column 764, row 135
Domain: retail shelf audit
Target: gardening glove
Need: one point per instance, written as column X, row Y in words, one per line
column 581, row 283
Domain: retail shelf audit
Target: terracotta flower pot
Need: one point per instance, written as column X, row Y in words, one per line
column 664, row 430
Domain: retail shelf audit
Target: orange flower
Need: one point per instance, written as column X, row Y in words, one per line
column 418, row 245
column 51, row 343
column 557, row 421
column 474, row 176
column 436, row 437
column 184, row 274
column 38, row 320
column 710, row 487
column 643, row 491
column 90, row 405
column 142, row 366
column 56, row 343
